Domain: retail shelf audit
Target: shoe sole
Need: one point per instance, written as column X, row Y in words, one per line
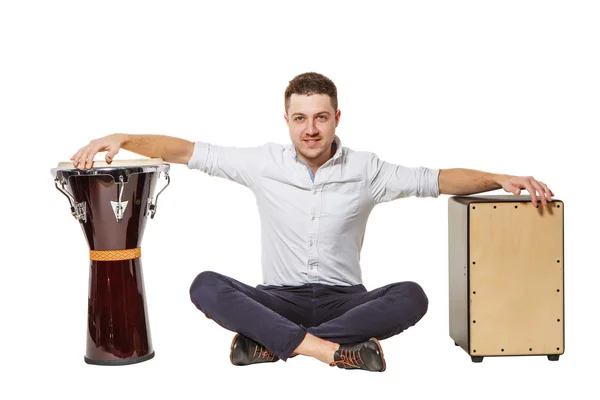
column 380, row 352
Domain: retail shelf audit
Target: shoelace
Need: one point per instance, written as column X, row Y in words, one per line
column 348, row 359
column 263, row 352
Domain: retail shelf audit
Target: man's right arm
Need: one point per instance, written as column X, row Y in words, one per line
column 170, row 149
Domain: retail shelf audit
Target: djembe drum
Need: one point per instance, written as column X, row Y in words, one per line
column 111, row 203
column 506, row 275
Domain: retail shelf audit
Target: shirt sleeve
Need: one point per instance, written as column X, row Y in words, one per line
column 390, row 181
column 238, row 164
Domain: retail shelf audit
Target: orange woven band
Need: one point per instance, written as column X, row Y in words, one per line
column 115, row 255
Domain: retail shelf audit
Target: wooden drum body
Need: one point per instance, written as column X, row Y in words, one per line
column 506, row 275
column 112, row 202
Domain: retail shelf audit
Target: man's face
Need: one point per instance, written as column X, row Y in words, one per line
column 312, row 122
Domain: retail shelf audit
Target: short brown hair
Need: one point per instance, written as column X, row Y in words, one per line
column 311, row 83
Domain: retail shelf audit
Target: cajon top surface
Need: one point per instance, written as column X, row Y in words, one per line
column 495, row 199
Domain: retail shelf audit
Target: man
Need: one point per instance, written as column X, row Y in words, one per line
column 314, row 198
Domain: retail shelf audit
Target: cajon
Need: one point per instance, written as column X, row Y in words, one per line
column 506, row 275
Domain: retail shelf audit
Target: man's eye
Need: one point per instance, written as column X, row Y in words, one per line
column 298, row 118
column 322, row 117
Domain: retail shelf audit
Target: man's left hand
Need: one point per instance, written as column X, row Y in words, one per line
column 514, row 184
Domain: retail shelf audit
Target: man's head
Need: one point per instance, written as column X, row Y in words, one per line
column 312, row 116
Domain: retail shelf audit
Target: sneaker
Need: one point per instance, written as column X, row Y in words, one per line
column 366, row 355
column 245, row 351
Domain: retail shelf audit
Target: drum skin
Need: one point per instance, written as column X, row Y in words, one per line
column 118, row 329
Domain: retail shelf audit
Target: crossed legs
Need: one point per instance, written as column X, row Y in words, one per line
column 310, row 320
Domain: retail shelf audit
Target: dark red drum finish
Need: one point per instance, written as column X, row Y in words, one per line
column 118, row 330
column 112, row 203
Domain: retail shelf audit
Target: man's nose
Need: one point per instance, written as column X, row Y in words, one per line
column 311, row 129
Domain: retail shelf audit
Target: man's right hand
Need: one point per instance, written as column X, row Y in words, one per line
column 84, row 158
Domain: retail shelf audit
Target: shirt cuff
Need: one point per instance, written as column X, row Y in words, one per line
column 199, row 156
column 433, row 179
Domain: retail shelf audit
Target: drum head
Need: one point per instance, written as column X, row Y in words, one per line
column 115, row 163
column 117, row 168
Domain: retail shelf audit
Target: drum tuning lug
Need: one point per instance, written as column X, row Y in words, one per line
column 151, row 209
column 77, row 209
column 152, row 204
column 79, row 212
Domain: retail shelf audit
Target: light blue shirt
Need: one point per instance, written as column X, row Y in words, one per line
column 312, row 228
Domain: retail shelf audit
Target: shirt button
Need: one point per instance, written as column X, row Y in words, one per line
column 310, row 267
column 313, row 217
column 310, row 244
column 315, row 192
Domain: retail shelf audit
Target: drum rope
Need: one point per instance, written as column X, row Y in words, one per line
column 115, row 255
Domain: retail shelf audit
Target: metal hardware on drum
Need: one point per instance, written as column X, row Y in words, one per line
column 77, row 209
column 119, row 206
column 118, row 330
column 120, row 175
column 152, row 204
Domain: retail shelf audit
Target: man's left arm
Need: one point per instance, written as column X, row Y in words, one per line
column 460, row 181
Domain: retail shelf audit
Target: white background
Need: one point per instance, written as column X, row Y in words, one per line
column 507, row 87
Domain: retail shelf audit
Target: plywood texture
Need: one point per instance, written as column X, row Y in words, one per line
column 516, row 278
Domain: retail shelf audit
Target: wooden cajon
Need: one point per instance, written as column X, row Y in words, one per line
column 506, row 275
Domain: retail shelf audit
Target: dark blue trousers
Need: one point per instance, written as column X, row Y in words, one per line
column 278, row 317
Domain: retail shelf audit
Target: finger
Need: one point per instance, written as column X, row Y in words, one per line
column 78, row 159
column 75, row 158
column 92, row 155
column 537, row 187
column 83, row 159
column 111, row 154
column 537, row 190
column 83, row 155
column 547, row 191
column 90, row 160
column 531, row 191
